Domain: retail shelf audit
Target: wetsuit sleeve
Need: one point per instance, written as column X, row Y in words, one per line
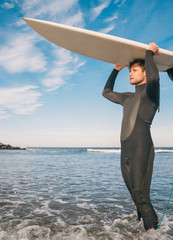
column 170, row 73
column 108, row 93
column 152, row 73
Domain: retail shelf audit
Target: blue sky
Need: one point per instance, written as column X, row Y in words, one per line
column 52, row 97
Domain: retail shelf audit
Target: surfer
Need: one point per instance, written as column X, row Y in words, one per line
column 137, row 150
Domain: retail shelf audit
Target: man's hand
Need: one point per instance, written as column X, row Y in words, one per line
column 153, row 47
column 120, row 67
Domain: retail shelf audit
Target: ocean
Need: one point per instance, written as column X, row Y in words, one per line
column 77, row 194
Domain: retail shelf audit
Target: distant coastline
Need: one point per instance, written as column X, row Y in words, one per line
column 9, row 147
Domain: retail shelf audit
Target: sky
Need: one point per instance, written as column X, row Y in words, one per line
column 51, row 97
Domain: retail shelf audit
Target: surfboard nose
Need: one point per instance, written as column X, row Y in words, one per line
column 30, row 20
column 25, row 19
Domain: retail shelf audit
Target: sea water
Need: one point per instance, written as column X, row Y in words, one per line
column 77, row 194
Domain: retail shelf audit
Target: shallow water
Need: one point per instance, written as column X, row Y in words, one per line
column 75, row 194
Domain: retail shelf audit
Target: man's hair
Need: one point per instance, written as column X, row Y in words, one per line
column 140, row 62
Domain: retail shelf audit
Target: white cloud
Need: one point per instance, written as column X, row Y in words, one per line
column 64, row 66
column 95, row 12
column 108, row 29
column 20, row 54
column 75, row 20
column 47, row 7
column 22, row 100
column 116, row 1
column 121, row 3
column 3, row 114
column 67, row 12
column 7, row 5
column 110, row 19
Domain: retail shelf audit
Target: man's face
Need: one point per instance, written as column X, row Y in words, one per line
column 137, row 75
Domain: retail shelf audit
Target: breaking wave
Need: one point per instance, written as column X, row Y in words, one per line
column 118, row 150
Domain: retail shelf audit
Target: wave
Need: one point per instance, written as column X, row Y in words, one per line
column 123, row 227
column 104, row 150
column 163, row 150
column 157, row 150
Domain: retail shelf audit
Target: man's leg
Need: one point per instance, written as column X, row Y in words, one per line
column 141, row 173
column 125, row 169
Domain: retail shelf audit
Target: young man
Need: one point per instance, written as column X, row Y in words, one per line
column 137, row 150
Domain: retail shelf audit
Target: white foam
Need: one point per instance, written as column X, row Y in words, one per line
column 78, row 233
column 61, row 201
column 160, row 150
column 126, row 227
column 85, row 205
column 104, row 150
column 3, row 235
column 87, row 219
column 44, row 209
column 118, row 206
column 40, row 233
column 84, row 199
column 163, row 150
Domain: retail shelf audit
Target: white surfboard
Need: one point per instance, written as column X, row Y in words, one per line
column 97, row 45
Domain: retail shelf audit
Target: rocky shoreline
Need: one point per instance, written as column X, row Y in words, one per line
column 9, row 147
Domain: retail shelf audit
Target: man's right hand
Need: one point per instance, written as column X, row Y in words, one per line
column 153, row 47
column 120, row 67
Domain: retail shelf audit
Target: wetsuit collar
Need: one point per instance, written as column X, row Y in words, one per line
column 139, row 88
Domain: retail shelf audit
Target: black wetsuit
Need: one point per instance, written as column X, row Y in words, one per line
column 137, row 151
column 170, row 73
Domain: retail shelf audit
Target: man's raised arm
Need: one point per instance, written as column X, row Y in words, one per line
column 152, row 73
column 108, row 89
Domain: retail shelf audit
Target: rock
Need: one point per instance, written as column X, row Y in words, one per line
column 9, row 147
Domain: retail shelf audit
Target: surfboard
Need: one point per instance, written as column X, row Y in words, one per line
column 100, row 46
